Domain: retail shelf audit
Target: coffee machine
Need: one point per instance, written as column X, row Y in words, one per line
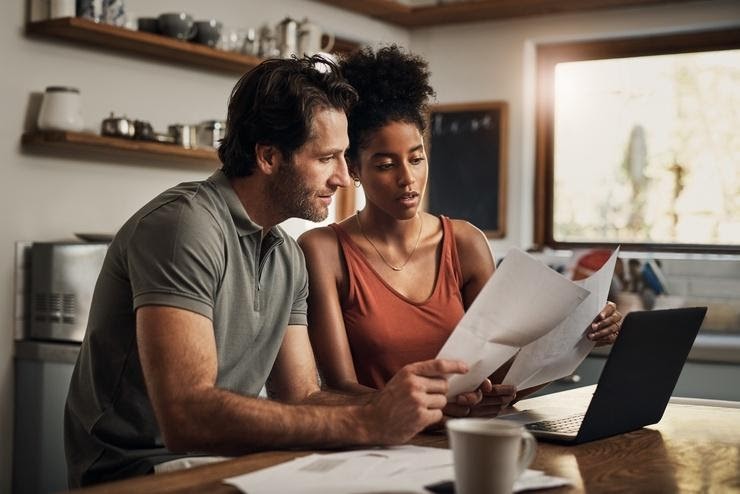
column 63, row 277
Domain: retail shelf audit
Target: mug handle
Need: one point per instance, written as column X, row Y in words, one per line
column 329, row 43
column 193, row 31
column 527, row 452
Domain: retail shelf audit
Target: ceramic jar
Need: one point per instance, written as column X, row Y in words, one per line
column 61, row 109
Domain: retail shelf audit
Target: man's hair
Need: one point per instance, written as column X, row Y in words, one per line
column 393, row 86
column 275, row 104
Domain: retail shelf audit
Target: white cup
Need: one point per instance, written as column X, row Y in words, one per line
column 310, row 36
column 489, row 454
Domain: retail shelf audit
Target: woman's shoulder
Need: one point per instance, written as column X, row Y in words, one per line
column 467, row 234
column 322, row 251
column 473, row 250
column 317, row 238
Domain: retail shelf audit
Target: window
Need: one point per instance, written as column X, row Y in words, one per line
column 638, row 143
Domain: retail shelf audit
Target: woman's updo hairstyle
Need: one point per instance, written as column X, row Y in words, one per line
column 393, row 86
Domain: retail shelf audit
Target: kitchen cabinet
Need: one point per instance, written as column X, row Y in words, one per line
column 43, row 371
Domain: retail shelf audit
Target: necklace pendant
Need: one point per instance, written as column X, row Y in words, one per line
column 382, row 257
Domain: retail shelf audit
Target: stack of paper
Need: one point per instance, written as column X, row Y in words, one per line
column 398, row 469
column 527, row 305
column 559, row 352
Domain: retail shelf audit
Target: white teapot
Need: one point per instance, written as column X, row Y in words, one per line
column 310, row 37
column 286, row 32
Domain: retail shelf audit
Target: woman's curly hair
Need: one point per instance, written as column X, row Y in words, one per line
column 393, row 86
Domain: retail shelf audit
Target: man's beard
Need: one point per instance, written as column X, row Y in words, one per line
column 292, row 197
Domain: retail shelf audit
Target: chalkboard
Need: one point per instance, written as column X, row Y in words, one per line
column 467, row 164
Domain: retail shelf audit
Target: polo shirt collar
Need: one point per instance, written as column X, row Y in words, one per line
column 242, row 221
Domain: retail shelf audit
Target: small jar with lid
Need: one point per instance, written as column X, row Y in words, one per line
column 210, row 133
column 61, row 109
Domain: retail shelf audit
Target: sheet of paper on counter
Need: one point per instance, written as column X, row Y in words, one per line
column 522, row 301
column 559, row 352
column 396, row 469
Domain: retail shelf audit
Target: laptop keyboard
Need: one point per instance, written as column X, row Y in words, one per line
column 566, row 425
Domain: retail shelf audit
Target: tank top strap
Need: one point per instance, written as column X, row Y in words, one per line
column 449, row 251
column 353, row 258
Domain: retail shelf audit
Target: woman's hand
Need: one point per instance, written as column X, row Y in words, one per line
column 463, row 403
column 605, row 328
column 496, row 397
column 486, row 401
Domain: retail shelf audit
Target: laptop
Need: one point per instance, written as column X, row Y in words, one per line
column 635, row 385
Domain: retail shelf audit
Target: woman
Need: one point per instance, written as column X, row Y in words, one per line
column 389, row 284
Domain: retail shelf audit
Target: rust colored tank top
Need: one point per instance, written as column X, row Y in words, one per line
column 385, row 329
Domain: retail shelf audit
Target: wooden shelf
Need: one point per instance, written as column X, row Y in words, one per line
column 65, row 141
column 451, row 12
column 97, row 34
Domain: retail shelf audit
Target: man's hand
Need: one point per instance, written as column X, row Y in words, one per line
column 411, row 401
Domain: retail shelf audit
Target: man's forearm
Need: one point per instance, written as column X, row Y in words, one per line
column 207, row 419
column 221, row 422
column 360, row 395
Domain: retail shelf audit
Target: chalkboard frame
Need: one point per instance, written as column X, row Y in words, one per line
column 499, row 111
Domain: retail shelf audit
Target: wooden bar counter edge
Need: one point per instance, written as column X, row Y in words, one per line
column 694, row 448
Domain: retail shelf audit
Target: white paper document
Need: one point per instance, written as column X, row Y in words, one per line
column 559, row 352
column 522, row 301
column 396, row 469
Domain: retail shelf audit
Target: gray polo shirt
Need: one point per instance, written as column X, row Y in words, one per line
column 192, row 247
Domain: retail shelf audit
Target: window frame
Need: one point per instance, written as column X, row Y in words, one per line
column 548, row 56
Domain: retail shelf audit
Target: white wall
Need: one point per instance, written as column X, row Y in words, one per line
column 46, row 198
column 496, row 61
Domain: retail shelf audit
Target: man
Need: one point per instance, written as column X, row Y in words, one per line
column 202, row 300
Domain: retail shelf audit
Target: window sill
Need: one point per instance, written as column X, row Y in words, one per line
column 715, row 348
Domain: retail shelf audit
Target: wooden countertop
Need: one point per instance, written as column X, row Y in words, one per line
column 694, row 448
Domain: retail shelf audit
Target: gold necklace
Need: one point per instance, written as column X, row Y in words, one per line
column 382, row 257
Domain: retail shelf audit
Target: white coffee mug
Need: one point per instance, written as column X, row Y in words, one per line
column 310, row 37
column 489, row 454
